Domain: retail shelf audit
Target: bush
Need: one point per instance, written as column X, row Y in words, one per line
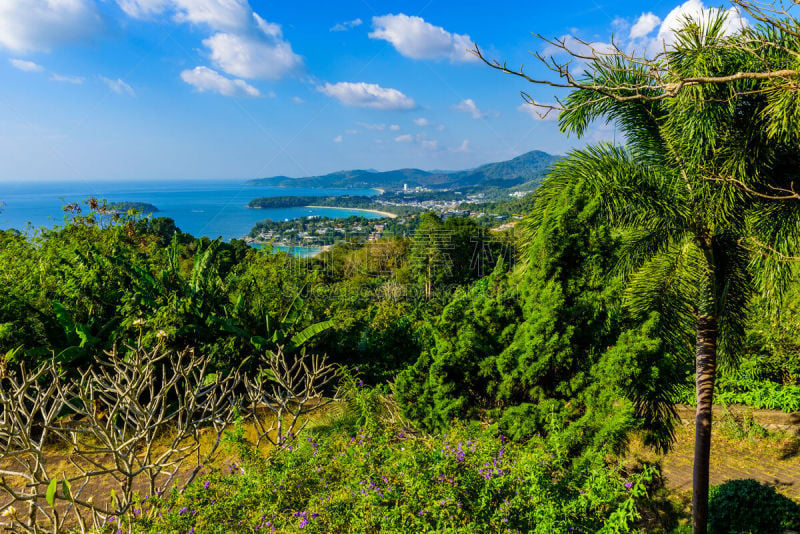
column 388, row 480
column 748, row 506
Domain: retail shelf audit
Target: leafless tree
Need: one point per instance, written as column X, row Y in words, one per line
column 136, row 420
column 289, row 388
column 30, row 405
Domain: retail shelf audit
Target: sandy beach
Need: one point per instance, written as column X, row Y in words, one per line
column 384, row 213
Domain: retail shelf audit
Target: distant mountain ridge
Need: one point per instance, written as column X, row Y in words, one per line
column 528, row 168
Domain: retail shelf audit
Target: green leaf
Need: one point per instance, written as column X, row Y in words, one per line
column 306, row 334
column 87, row 339
column 64, row 318
column 209, row 378
column 66, row 489
column 50, row 495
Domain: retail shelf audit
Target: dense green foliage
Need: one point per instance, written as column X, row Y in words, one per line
column 746, row 506
column 320, row 231
column 144, row 208
column 379, row 477
column 520, row 363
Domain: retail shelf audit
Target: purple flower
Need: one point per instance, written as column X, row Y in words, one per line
column 303, row 523
column 629, row 485
column 206, row 484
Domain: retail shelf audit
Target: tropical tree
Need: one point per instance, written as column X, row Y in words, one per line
column 695, row 248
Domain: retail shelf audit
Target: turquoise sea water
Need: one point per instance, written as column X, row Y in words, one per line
column 201, row 208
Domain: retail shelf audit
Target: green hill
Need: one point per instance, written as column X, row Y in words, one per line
column 525, row 169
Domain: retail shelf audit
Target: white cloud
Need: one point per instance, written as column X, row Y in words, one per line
column 243, row 44
column 394, row 127
column 428, row 144
column 368, row 95
column 344, row 26
column 405, row 138
column 218, row 14
column 28, row 25
column 27, row 66
column 538, row 113
column 463, row 147
column 248, row 57
column 208, row 80
column 298, row 100
column 77, row 80
column 469, row 106
column 118, row 86
column 338, row 139
column 143, row 8
column 422, row 121
column 417, row 39
column 619, row 25
column 375, row 127
column 646, row 23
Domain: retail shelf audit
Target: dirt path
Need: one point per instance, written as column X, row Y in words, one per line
column 774, row 460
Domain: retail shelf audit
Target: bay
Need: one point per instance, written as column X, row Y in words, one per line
column 201, row 208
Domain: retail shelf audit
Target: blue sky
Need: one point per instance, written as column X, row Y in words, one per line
column 196, row 89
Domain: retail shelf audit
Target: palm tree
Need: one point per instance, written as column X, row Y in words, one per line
column 696, row 248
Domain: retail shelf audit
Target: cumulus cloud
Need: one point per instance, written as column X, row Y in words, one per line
column 368, row 95
column 537, row 113
column 469, row 106
column 76, row 80
column 208, row 80
column 416, row 39
column 338, row 139
column 249, row 57
column 405, row 138
column 646, row 23
column 217, row 14
column 118, row 86
column 422, row 121
column 394, row 127
column 27, row 66
column 298, row 100
column 242, row 43
column 40, row 25
column 344, row 26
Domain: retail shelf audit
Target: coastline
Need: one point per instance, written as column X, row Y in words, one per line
column 384, row 213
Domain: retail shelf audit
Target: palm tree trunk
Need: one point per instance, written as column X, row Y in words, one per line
column 706, row 370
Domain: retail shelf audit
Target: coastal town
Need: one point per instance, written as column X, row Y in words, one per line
column 401, row 212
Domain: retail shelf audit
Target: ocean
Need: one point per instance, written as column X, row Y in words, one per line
column 201, row 208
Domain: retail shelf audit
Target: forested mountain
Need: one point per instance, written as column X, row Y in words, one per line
column 527, row 168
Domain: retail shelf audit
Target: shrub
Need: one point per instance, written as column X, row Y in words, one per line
column 388, row 480
column 748, row 506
